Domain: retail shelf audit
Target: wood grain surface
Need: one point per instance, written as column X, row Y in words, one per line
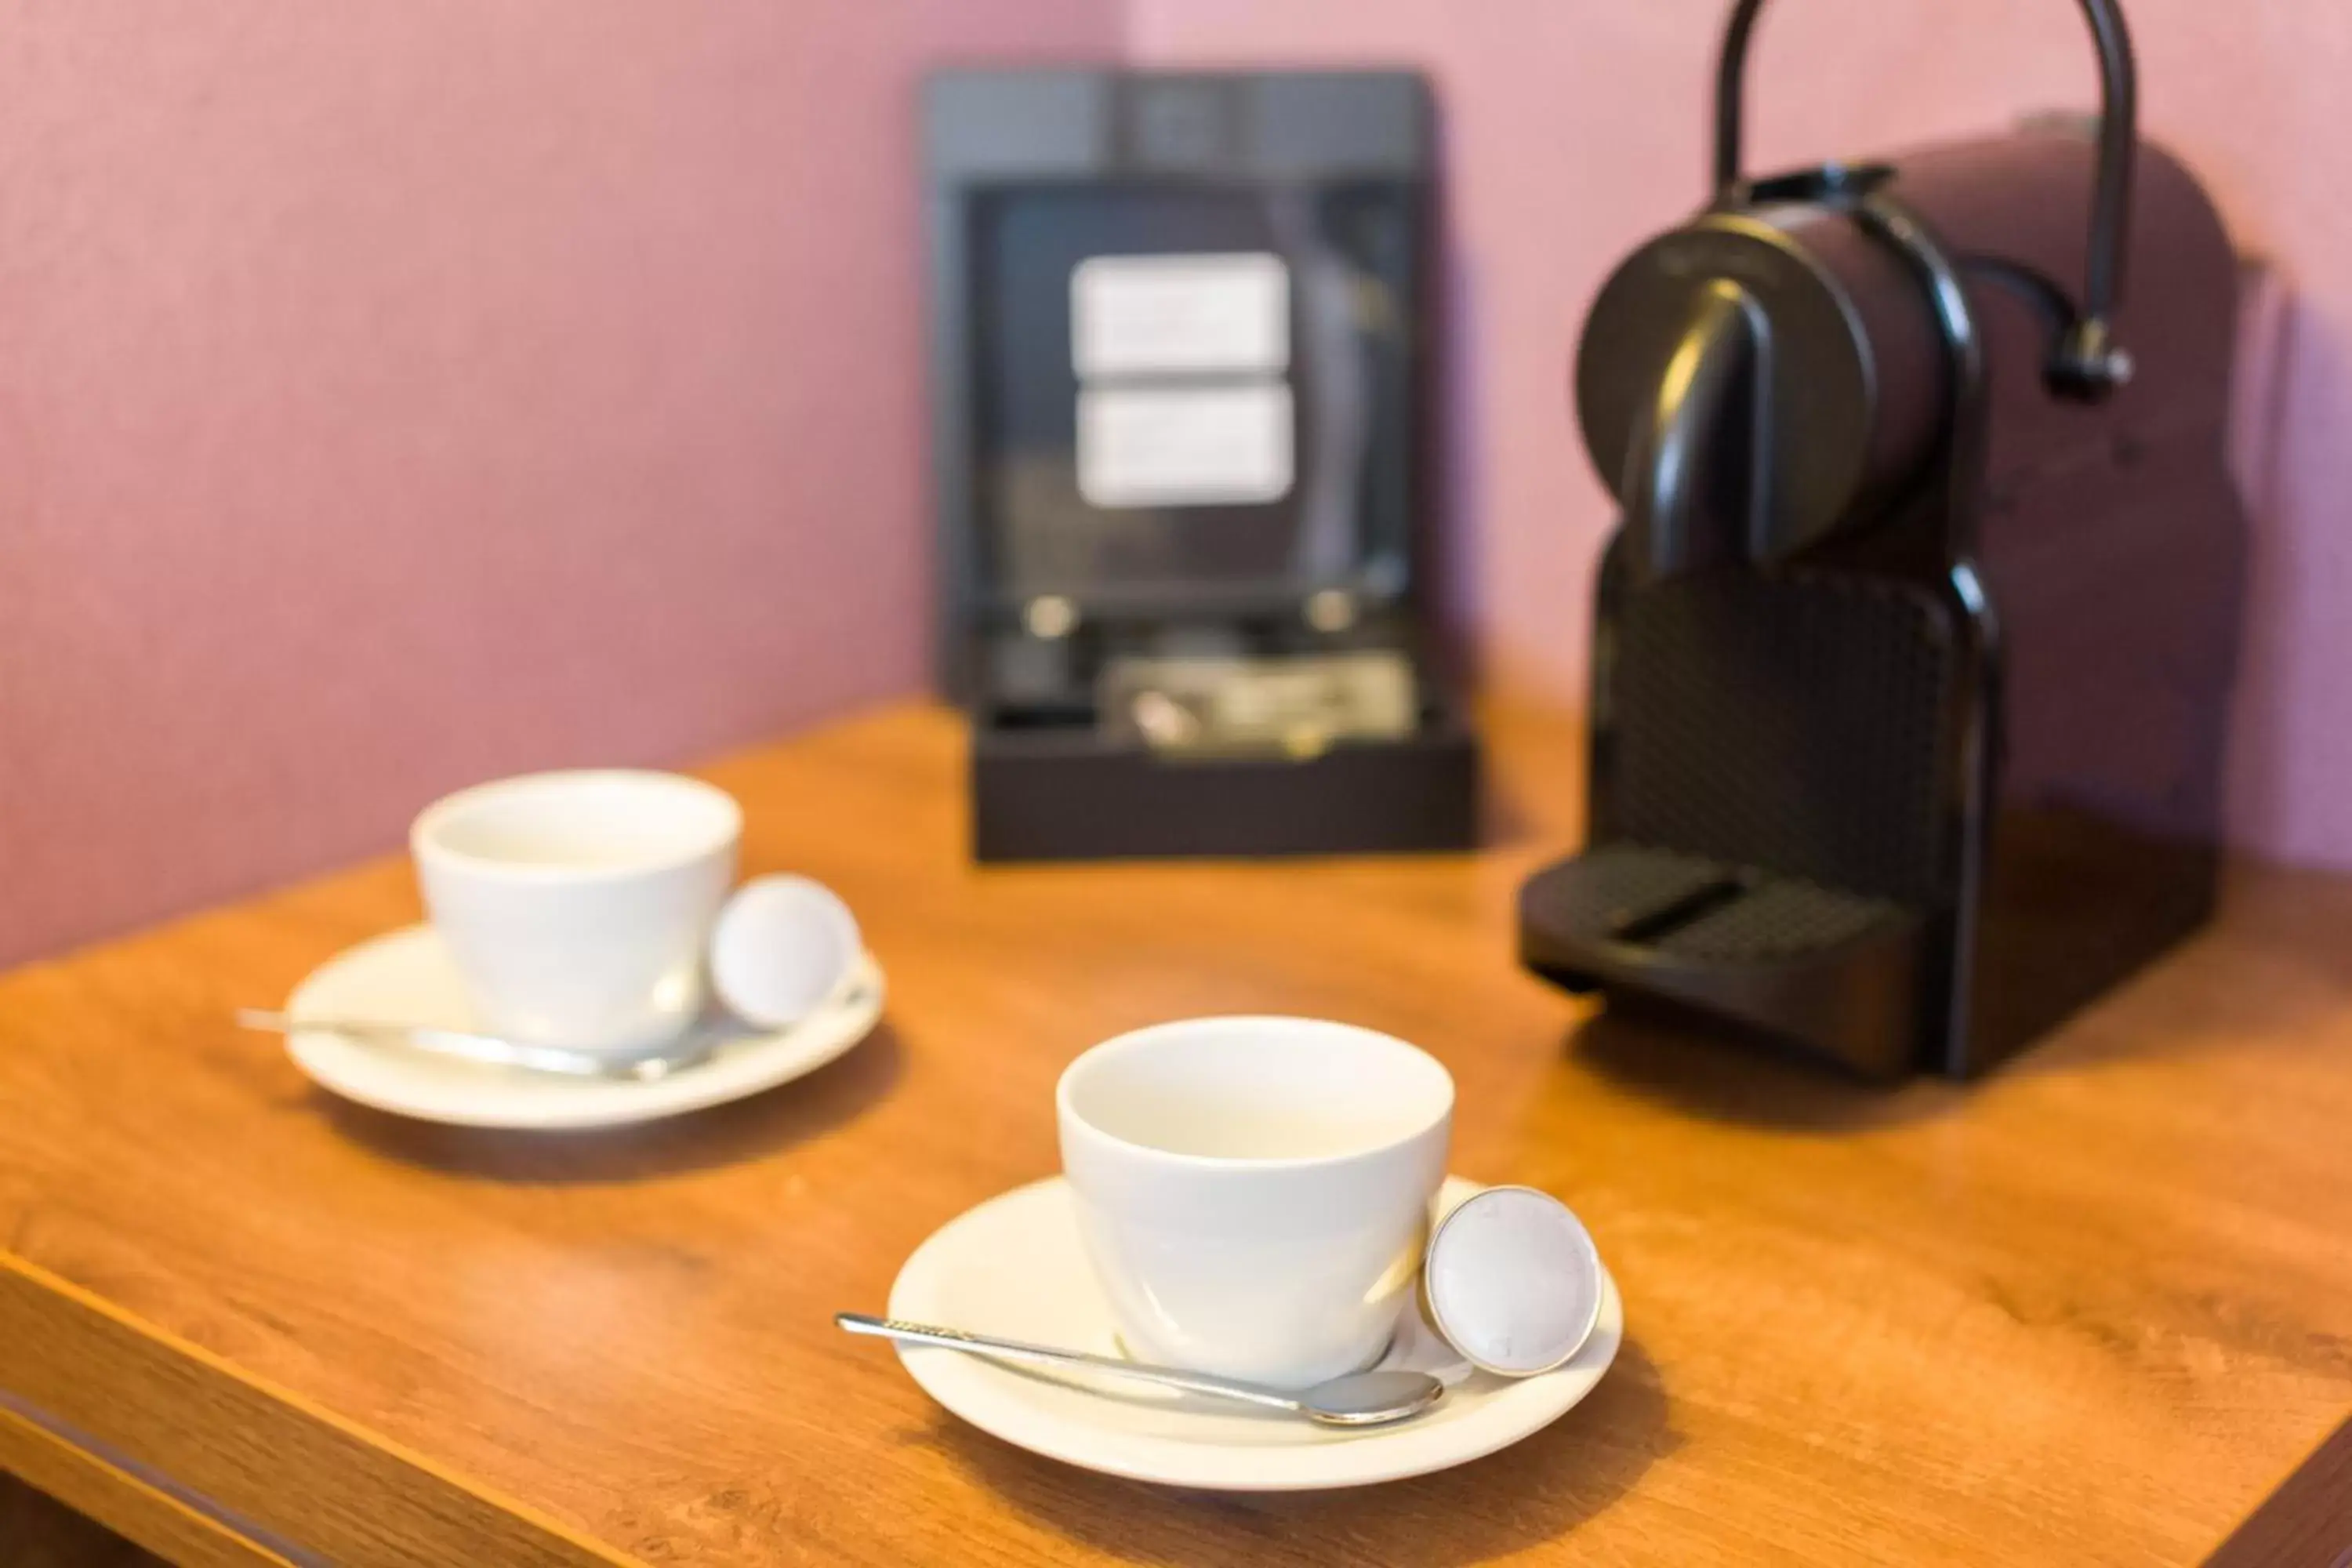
column 2089, row 1311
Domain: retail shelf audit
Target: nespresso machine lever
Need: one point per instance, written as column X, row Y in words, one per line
column 1695, row 465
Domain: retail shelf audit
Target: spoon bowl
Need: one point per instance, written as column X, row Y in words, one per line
column 1371, row 1398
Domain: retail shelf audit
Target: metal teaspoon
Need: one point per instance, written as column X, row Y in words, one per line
column 1359, row 1399
column 492, row 1050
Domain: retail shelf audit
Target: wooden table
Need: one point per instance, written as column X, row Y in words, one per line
column 2092, row 1310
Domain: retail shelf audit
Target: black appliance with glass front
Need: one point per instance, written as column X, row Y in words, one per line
column 1178, row 349
column 1914, row 644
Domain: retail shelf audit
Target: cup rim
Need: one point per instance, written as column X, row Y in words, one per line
column 1141, row 1038
column 425, row 843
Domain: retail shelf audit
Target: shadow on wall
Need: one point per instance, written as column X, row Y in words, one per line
column 1453, row 484
column 2291, row 377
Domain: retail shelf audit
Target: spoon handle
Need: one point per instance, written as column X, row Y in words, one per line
column 489, row 1049
column 1017, row 1351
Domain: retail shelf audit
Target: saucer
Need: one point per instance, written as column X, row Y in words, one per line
column 407, row 977
column 1016, row 1267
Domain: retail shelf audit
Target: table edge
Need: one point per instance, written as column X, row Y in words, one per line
column 70, row 1358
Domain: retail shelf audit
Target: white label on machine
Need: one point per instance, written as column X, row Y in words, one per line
column 1194, row 446
column 1157, row 315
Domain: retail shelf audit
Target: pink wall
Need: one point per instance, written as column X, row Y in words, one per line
column 396, row 395
column 1577, row 127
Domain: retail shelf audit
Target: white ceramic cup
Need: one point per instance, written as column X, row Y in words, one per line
column 575, row 905
column 1254, row 1192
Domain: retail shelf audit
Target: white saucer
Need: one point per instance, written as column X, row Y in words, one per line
column 1014, row 1266
column 407, row 978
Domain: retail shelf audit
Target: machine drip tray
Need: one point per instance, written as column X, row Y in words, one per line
column 1833, row 970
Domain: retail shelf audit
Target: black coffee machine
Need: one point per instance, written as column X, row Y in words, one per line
column 1916, row 640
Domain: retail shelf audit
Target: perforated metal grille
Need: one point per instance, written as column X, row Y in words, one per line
column 1779, row 920
column 1617, row 885
column 1707, row 910
column 1795, row 725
